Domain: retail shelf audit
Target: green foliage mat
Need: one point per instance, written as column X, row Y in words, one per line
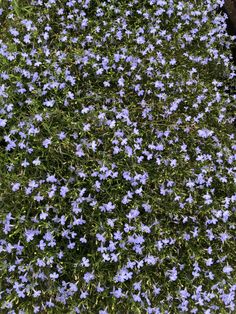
column 117, row 157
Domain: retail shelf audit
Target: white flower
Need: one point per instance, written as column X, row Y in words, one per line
column 227, row 269
column 49, row 103
column 172, row 274
column 36, row 162
column 204, row 133
column 3, row 122
column 15, row 186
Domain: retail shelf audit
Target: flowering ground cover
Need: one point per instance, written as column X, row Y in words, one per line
column 117, row 157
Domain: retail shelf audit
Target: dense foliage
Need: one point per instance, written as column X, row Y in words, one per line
column 117, row 157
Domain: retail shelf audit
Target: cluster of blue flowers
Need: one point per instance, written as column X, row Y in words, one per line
column 117, row 157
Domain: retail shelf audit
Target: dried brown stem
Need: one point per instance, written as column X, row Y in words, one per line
column 230, row 7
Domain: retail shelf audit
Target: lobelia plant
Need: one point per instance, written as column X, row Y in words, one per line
column 117, row 157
